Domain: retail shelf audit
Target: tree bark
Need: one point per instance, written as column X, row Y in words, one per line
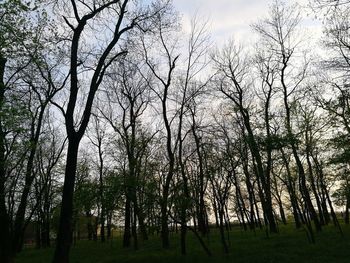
column 64, row 237
column 202, row 211
column 127, row 223
column 6, row 255
column 313, row 187
column 19, row 224
column 222, row 230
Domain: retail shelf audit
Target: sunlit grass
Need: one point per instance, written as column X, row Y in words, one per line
column 289, row 245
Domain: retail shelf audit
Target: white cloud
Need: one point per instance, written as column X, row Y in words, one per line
column 232, row 18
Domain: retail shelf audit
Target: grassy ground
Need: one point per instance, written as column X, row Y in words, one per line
column 289, row 245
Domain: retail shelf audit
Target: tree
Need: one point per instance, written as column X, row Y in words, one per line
column 22, row 35
column 85, row 15
column 46, row 182
column 234, row 83
column 86, row 198
column 332, row 4
column 279, row 33
column 165, row 83
column 190, row 89
column 97, row 138
column 335, row 80
column 128, row 98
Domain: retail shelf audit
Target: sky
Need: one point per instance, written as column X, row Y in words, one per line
column 231, row 19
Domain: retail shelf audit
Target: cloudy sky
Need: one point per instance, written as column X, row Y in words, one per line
column 232, row 18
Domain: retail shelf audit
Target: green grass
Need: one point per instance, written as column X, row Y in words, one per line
column 289, row 245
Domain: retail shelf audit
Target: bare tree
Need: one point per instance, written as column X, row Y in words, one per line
column 47, row 168
column 235, row 84
column 97, row 136
column 279, row 32
column 85, row 15
column 128, row 98
column 190, row 89
column 165, row 83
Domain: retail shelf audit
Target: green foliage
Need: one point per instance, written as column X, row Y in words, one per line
column 113, row 188
column 86, row 190
column 342, row 143
column 339, row 196
column 85, row 196
column 277, row 141
column 13, row 26
column 14, row 114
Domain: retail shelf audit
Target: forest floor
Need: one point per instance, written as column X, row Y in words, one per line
column 290, row 245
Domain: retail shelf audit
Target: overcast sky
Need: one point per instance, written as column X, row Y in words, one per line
column 232, row 18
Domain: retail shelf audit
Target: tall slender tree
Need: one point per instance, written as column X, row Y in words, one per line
column 127, row 17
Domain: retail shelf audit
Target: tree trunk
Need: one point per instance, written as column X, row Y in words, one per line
column 64, row 236
column 102, row 216
column 324, row 191
column 184, row 207
column 47, row 242
column 258, row 219
column 164, row 222
column 202, row 211
column 142, row 225
column 282, row 214
column 347, row 206
column 102, row 230
column 326, row 194
column 222, row 230
column 304, row 191
column 279, row 201
column 89, row 227
column 6, row 255
column 250, row 193
column 20, row 215
column 264, row 178
column 5, row 241
column 134, row 229
column 240, row 203
column 127, row 226
column 324, row 205
column 109, row 227
column 291, row 191
column 215, row 209
column 314, row 190
column 164, row 202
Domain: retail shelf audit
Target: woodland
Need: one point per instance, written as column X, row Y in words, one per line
column 126, row 137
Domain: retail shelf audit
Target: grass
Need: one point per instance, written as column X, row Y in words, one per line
column 290, row 245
